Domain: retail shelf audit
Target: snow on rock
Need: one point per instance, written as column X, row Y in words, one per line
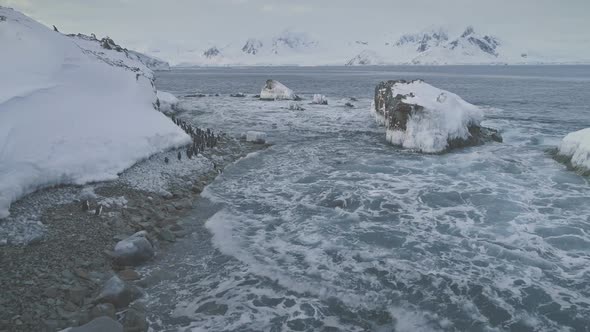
column 275, row 90
column 256, row 137
column 576, row 148
column 168, row 101
column 72, row 110
column 422, row 117
column 319, row 100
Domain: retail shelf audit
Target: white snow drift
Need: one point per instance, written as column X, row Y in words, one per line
column 576, row 146
column 445, row 117
column 71, row 112
column 167, row 100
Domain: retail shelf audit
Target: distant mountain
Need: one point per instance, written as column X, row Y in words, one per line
column 435, row 46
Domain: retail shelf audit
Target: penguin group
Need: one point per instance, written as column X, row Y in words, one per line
column 201, row 138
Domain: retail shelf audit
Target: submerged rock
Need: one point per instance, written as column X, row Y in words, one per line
column 133, row 250
column 275, row 90
column 419, row 116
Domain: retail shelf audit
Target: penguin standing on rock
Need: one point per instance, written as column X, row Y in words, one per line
column 98, row 210
column 85, row 205
column 179, row 155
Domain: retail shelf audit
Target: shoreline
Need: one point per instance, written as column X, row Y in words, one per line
column 52, row 283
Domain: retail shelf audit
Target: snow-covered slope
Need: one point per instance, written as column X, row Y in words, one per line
column 107, row 43
column 576, row 147
column 151, row 62
column 71, row 111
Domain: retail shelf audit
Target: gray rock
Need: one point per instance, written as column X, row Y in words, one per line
column 76, row 295
column 118, row 292
column 100, row 324
column 133, row 250
column 166, row 235
column 103, row 309
column 135, row 321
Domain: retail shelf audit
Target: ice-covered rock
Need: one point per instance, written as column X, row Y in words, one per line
column 575, row 147
column 107, row 95
column 419, row 116
column 275, row 90
column 133, row 250
column 168, row 101
column 256, row 137
column 295, row 106
column 319, row 99
column 118, row 292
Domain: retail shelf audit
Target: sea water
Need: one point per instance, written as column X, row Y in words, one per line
column 333, row 229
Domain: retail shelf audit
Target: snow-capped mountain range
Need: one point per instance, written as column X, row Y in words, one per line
column 428, row 47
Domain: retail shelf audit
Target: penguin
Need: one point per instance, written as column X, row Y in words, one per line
column 55, row 29
column 179, row 155
column 166, row 160
column 85, row 205
column 98, row 210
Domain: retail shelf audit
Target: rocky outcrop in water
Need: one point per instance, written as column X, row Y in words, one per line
column 419, row 116
column 275, row 90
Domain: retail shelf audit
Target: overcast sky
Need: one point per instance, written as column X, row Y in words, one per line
column 548, row 25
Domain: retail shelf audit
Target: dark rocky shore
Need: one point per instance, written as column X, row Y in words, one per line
column 56, row 281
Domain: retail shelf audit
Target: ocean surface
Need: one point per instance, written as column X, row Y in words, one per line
column 333, row 229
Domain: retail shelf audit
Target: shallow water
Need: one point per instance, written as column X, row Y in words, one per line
column 333, row 229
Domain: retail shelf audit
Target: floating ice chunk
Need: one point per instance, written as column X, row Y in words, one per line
column 256, row 137
column 319, row 99
column 275, row 90
column 168, row 101
column 576, row 147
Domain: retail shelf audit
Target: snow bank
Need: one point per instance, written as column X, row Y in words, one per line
column 438, row 117
column 275, row 90
column 576, row 146
column 167, row 101
column 71, row 111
